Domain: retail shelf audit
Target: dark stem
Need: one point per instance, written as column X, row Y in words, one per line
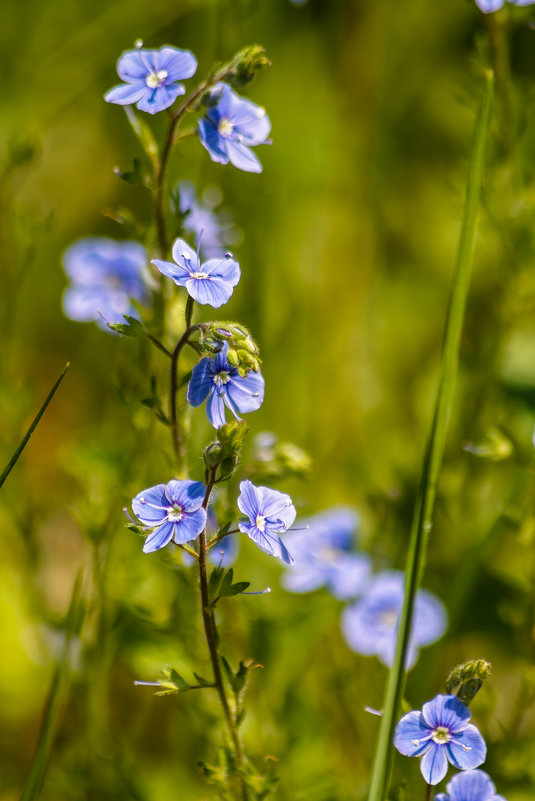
column 211, row 639
column 428, row 792
column 176, row 433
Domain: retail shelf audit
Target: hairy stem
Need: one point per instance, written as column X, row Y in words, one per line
column 211, row 640
column 423, row 512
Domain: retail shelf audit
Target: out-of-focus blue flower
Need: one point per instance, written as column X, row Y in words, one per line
column 370, row 625
column 488, row 6
column 211, row 283
column 231, row 127
column 441, row 733
column 210, row 228
column 218, row 383
column 105, row 277
column 270, row 513
column 173, row 511
column 322, row 555
column 151, row 77
column 470, row 785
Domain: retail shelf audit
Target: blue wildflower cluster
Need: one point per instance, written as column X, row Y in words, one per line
column 325, row 556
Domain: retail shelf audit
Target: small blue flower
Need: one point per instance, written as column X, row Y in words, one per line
column 172, row 511
column 323, row 556
column 105, row 277
column 218, row 383
column 270, row 513
column 231, row 127
column 441, row 733
column 212, row 229
column 470, row 785
column 151, row 78
column 489, row 6
column 370, row 625
column 211, row 283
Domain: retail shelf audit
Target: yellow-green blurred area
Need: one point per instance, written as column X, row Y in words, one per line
column 349, row 242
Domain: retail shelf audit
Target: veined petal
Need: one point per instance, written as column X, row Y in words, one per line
column 178, row 64
column 201, row 382
column 242, row 157
column 270, row 543
column 150, row 506
column 247, row 394
column 178, row 273
column 226, row 268
column 212, row 141
column 159, row 538
column 185, row 256
column 159, row 99
column 434, row 764
column 190, row 526
column 446, row 710
column 132, row 66
column 249, row 499
column 215, row 409
column 411, row 737
column 209, row 291
column 187, row 494
column 126, row 93
column 467, row 749
column 471, row 785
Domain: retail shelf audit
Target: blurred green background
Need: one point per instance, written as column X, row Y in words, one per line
column 349, row 240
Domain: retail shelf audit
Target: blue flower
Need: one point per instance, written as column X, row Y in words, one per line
column 105, row 276
column 470, row 785
column 171, row 511
column 211, row 283
column 218, row 383
column 151, row 78
column 323, row 556
column 488, row 6
column 270, row 513
column 213, row 230
column 370, row 625
column 231, row 127
column 441, row 733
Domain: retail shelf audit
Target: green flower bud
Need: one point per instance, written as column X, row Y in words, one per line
column 466, row 680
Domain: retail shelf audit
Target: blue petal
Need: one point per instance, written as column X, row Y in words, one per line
column 467, row 749
column 488, row 6
column 446, row 710
column 226, row 268
column 185, row 256
column 277, row 508
column 133, row 66
column 209, row 291
column 434, row 764
column 159, row 99
column 179, row 64
column 212, row 141
column 126, row 93
column 304, row 579
column 246, row 394
column 471, row 785
column 442, row 797
column 360, row 636
column 201, row 382
column 348, row 575
column 188, row 494
column 159, row 538
column 430, row 619
column 410, row 728
column 190, row 526
column 269, row 543
column 242, row 157
column 151, row 505
column 178, row 274
column 249, row 500
column 215, row 409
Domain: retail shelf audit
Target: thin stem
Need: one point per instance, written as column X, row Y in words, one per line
column 12, row 462
column 428, row 792
column 425, row 501
column 211, row 639
column 176, row 433
column 159, row 345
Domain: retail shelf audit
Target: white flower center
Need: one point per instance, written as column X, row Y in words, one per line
column 155, row 79
column 199, row 275
column 441, row 735
column 389, row 618
column 174, row 513
column 225, row 126
column 222, row 378
column 260, row 523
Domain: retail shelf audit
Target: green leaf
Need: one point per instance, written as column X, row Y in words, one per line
column 238, row 588
column 145, row 138
column 213, row 583
column 132, row 328
column 202, row 681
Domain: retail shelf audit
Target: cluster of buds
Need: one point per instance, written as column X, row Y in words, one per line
column 466, row 680
column 224, row 453
column 243, row 352
column 241, row 69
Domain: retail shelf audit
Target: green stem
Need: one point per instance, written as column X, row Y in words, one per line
column 210, row 631
column 12, row 462
column 423, row 512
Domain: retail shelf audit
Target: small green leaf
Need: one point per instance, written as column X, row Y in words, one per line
column 202, row 681
column 132, row 328
column 238, row 588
